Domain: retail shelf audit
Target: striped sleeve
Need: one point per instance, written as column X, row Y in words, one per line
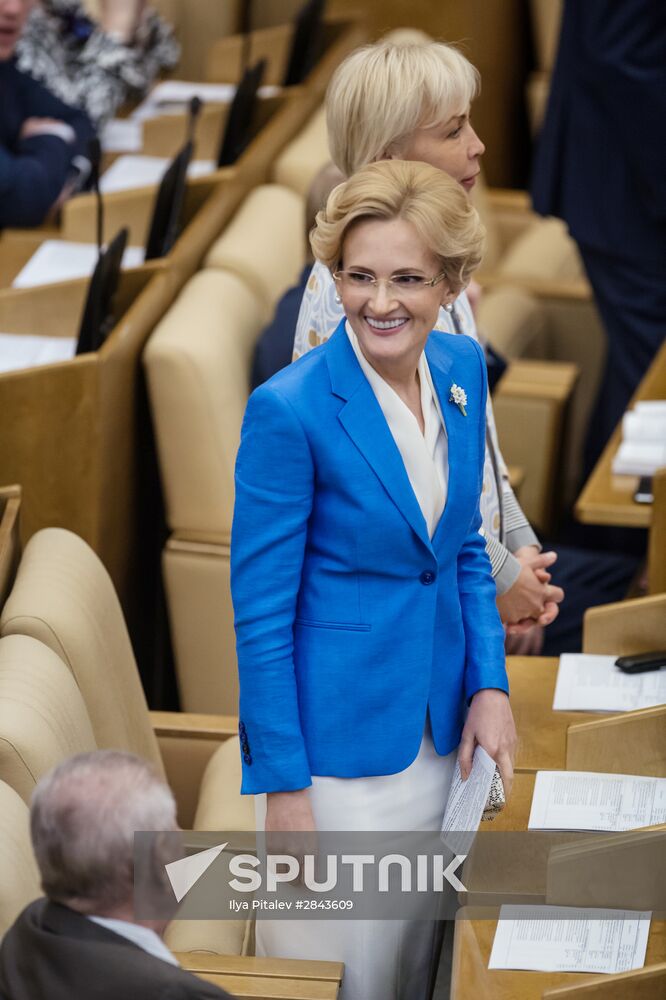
column 517, row 529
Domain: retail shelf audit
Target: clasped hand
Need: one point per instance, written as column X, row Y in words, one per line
column 533, row 599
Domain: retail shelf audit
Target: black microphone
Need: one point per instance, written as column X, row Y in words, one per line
column 196, row 105
column 95, row 157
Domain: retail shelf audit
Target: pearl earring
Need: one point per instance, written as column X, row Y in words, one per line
column 449, row 307
column 338, row 299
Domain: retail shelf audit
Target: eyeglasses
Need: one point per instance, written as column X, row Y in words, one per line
column 398, row 284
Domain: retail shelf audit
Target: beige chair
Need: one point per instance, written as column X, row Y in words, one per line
column 303, row 158
column 198, row 362
column 19, row 877
column 43, row 719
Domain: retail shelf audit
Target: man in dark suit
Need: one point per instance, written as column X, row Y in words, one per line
column 600, row 166
column 83, row 939
column 43, row 142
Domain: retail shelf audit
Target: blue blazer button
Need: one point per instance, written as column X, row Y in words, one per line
column 427, row 578
column 247, row 758
column 241, row 727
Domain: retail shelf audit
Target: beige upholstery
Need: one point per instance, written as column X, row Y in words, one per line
column 264, row 244
column 64, row 597
column 546, row 17
column 513, row 321
column 197, row 362
column 544, row 250
column 303, row 158
column 220, row 806
column 42, row 715
column 197, row 582
column 19, row 877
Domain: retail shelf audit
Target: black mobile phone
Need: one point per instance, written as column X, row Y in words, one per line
column 642, row 662
column 644, row 492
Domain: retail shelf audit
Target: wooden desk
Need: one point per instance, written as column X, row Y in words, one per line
column 608, row 499
column 542, row 733
column 266, row 978
column 471, row 977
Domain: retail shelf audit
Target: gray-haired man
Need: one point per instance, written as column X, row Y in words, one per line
column 82, row 940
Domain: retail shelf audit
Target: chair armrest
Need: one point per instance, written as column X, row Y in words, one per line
column 245, row 976
column 636, row 626
column 187, row 742
column 510, row 199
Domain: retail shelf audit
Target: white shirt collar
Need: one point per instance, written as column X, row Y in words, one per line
column 144, row 937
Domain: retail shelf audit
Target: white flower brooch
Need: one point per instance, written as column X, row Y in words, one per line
column 459, row 397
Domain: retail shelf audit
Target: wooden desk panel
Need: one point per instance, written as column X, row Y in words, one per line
column 542, row 733
column 607, row 499
column 472, row 980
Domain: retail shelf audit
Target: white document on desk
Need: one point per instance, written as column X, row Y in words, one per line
column 570, row 939
column 587, row 683
column 128, row 172
column 122, row 135
column 25, row 351
column 584, row 800
column 466, row 802
column 61, row 260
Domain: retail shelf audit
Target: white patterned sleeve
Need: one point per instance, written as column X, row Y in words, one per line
column 319, row 314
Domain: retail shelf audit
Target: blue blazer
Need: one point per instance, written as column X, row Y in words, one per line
column 351, row 624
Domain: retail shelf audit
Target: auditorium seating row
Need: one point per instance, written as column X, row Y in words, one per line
column 68, row 683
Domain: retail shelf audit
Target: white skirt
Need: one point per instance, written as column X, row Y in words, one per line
column 384, row 959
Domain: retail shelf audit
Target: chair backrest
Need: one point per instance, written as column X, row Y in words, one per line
column 198, row 361
column 64, row 597
column 264, row 244
column 43, row 718
column 19, row 876
column 300, row 162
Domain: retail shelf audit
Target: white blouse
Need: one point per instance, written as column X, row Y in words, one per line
column 425, row 455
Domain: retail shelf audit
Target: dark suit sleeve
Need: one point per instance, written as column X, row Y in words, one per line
column 31, row 179
column 38, row 102
column 625, row 69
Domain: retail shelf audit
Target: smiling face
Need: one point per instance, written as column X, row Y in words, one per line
column 391, row 323
column 13, row 15
column 453, row 147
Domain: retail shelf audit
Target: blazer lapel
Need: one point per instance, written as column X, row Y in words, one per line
column 440, row 363
column 364, row 422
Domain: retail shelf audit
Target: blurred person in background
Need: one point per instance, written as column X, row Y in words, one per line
column 97, row 66
column 43, row 142
column 601, row 166
column 412, row 100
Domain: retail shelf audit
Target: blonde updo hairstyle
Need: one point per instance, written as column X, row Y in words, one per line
column 433, row 202
column 382, row 93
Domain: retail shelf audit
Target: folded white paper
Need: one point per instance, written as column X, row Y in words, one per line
column 639, row 459
column 122, row 135
column 128, row 172
column 587, row 683
column 174, row 96
column 644, row 427
column 466, row 802
column 651, row 406
column 60, row 260
column 570, row 939
column 25, row 351
column 585, row 800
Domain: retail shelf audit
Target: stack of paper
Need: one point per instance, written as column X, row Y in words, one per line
column 570, row 939
column 643, row 448
column 128, row 172
column 60, row 260
column 587, row 683
column 22, row 351
column 585, row 800
column 174, row 96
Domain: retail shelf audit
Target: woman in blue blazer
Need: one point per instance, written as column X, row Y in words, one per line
column 369, row 643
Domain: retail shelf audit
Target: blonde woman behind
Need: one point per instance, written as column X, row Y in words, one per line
column 413, row 101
